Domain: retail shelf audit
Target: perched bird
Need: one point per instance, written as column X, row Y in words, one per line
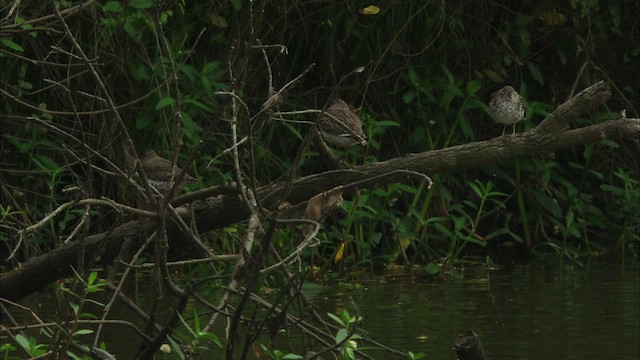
column 340, row 126
column 507, row 107
column 158, row 171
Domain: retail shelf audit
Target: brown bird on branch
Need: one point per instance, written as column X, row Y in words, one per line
column 340, row 126
column 158, row 171
column 507, row 107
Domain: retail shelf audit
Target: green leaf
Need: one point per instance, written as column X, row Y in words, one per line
column 112, row 6
column 465, row 125
column 139, row 71
column 22, row 341
column 588, row 151
column 237, row 4
column 433, row 268
column 197, row 104
column 413, row 76
column 74, row 307
column 24, row 84
column 341, row 335
column 476, row 189
column 176, row 347
column 610, row 143
column 141, row 4
column 387, row 123
column 494, row 76
column 92, row 278
column 46, row 163
column 408, row 97
column 164, row 102
column 473, row 86
column 142, row 122
column 196, row 322
column 292, row 357
column 295, row 131
column 336, row 319
column 612, row 189
column 549, row 204
column 448, row 74
column 11, row 44
column 535, row 72
column 189, row 127
column 218, row 21
column 83, row 332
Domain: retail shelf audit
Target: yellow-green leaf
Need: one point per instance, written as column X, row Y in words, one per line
column 218, row 21
column 553, row 18
column 370, row 10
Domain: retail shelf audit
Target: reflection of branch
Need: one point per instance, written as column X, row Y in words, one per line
column 117, row 291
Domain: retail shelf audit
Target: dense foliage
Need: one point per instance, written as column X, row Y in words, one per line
column 429, row 70
column 169, row 67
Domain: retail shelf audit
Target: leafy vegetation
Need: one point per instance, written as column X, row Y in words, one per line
column 190, row 79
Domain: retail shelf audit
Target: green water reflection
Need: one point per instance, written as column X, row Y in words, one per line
column 527, row 312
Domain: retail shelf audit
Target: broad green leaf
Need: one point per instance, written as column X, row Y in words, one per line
column 433, row 268
column 164, row 102
column 473, row 86
column 22, row 341
column 112, row 6
column 370, row 10
column 341, row 335
column 549, row 204
column 408, row 97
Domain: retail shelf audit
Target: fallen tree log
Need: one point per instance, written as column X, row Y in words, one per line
column 551, row 134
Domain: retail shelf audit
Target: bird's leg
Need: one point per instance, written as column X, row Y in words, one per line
column 514, row 129
column 504, row 129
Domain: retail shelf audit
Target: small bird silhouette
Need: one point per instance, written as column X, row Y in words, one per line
column 507, row 107
column 341, row 126
column 158, row 171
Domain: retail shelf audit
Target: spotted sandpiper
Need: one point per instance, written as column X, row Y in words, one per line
column 158, row 171
column 507, row 107
column 340, row 126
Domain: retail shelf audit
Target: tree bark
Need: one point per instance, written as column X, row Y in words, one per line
column 224, row 210
column 39, row 272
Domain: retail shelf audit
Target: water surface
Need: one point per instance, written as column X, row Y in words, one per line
column 524, row 312
column 532, row 311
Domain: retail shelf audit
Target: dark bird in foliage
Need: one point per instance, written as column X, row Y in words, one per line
column 340, row 126
column 158, row 171
column 507, row 107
